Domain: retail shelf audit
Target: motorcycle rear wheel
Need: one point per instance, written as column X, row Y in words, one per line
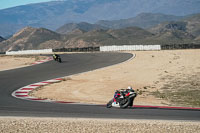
column 59, row 60
column 125, row 103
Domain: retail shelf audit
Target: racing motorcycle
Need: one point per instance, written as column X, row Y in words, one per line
column 57, row 58
column 122, row 98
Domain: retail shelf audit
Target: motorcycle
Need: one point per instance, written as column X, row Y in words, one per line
column 122, row 98
column 57, row 58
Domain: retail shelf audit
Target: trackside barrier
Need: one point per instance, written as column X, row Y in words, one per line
column 84, row 49
column 130, row 47
column 2, row 52
column 42, row 51
column 180, row 46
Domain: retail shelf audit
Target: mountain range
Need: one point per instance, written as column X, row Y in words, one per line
column 187, row 29
column 84, row 26
column 1, row 39
column 52, row 15
column 184, row 30
column 142, row 20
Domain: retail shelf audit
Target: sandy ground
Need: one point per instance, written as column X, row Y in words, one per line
column 79, row 125
column 144, row 73
column 11, row 62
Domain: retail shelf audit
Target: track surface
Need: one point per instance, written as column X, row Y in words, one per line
column 72, row 64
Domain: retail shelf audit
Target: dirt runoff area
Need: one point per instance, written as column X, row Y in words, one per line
column 79, row 125
column 16, row 61
column 160, row 78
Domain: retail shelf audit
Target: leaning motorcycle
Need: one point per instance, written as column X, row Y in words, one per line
column 122, row 98
column 57, row 59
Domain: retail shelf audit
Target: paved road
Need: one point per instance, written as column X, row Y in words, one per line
column 73, row 63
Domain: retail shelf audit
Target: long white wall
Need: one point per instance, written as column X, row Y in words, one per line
column 130, row 47
column 102, row 48
column 42, row 51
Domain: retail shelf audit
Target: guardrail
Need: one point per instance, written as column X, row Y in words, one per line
column 43, row 51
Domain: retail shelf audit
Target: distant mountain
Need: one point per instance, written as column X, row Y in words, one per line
column 52, row 15
column 83, row 26
column 197, row 39
column 169, row 26
column 30, row 38
column 143, row 20
column 33, row 38
column 193, row 24
column 130, row 33
column 1, row 39
column 186, row 29
column 128, row 36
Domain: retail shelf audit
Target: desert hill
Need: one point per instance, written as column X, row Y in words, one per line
column 40, row 38
column 142, row 20
column 1, row 39
column 83, row 26
column 187, row 30
column 29, row 38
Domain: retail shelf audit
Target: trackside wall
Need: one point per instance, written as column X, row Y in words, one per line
column 130, row 47
column 43, row 51
column 108, row 48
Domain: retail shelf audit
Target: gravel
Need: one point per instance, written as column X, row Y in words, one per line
column 76, row 125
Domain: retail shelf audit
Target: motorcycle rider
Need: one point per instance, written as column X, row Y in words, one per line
column 55, row 56
column 121, row 93
column 129, row 87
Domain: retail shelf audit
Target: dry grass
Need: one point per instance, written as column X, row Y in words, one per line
column 181, row 89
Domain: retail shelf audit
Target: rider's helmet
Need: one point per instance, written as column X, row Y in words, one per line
column 129, row 87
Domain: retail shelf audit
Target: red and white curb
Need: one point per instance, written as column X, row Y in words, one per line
column 42, row 61
column 23, row 93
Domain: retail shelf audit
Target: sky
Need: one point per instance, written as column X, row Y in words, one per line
column 11, row 3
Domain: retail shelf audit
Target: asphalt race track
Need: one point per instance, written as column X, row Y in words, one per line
column 12, row 80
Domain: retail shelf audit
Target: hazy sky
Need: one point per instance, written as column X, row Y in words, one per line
column 12, row 3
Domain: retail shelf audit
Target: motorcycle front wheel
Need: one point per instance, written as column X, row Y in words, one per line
column 109, row 104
